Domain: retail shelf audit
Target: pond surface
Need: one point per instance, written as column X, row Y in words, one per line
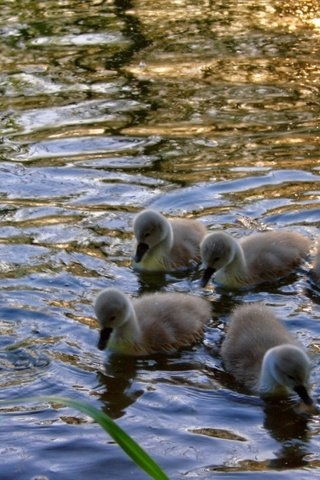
column 200, row 109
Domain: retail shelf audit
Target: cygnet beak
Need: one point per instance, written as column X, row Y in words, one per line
column 303, row 394
column 141, row 250
column 104, row 337
column 207, row 274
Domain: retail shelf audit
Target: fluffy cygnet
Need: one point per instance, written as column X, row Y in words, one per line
column 258, row 258
column 166, row 245
column 263, row 355
column 156, row 322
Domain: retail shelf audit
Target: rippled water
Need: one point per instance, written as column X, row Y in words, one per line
column 200, row 109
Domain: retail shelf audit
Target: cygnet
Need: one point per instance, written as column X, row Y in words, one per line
column 263, row 355
column 166, row 245
column 258, row 258
column 156, row 322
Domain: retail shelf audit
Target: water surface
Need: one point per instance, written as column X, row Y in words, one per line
column 203, row 109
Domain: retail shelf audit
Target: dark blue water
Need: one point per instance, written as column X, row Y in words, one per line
column 200, row 109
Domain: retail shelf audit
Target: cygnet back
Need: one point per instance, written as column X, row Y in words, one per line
column 170, row 321
column 274, row 254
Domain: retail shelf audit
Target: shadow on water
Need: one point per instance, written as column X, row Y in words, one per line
column 133, row 30
column 291, row 430
column 117, row 388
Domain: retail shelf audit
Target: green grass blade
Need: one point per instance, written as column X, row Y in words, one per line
column 130, row 446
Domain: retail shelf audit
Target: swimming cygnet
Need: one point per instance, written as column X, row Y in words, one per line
column 263, row 355
column 166, row 245
column 260, row 257
column 156, row 322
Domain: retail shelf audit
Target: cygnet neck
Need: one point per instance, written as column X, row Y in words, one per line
column 164, row 246
column 267, row 381
column 130, row 329
column 167, row 241
column 235, row 271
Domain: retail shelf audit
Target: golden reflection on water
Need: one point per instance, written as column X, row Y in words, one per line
column 219, row 433
column 251, row 70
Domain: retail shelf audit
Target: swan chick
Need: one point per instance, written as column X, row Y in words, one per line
column 166, row 245
column 258, row 258
column 263, row 355
column 153, row 323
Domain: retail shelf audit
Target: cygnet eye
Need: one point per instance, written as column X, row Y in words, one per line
column 112, row 318
column 291, row 377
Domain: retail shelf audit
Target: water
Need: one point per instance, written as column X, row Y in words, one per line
column 201, row 109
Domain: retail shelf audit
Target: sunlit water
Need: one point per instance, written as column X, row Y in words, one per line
column 200, row 109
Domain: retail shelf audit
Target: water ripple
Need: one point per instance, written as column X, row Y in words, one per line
column 67, row 147
column 201, row 109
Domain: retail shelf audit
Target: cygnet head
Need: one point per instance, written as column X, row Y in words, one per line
column 289, row 366
column 217, row 250
column 112, row 309
column 150, row 229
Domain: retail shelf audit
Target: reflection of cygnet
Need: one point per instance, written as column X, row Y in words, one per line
column 258, row 258
column 166, row 245
column 263, row 355
column 157, row 322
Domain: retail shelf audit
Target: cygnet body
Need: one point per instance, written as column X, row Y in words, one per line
column 152, row 323
column 166, row 245
column 258, row 258
column 263, row 355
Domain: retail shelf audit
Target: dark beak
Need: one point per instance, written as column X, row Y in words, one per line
column 207, row 274
column 303, row 394
column 104, row 337
column 142, row 248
